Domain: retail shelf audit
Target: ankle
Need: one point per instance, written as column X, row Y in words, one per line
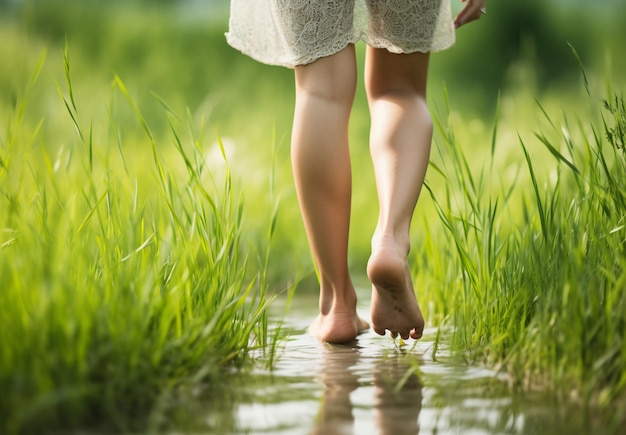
column 337, row 298
column 386, row 241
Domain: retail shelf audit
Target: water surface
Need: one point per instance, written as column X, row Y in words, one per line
column 375, row 386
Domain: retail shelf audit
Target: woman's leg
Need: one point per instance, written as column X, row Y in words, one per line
column 321, row 165
column 400, row 141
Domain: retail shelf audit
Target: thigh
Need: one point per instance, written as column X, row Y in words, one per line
column 391, row 72
column 331, row 77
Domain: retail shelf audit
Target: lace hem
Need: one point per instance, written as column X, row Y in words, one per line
column 297, row 32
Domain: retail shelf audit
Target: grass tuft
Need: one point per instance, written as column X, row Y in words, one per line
column 124, row 281
column 537, row 284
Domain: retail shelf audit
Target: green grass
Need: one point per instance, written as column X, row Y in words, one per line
column 134, row 258
column 123, row 279
column 538, row 277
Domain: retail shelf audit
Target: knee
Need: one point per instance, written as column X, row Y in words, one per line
column 406, row 99
column 335, row 90
column 395, row 91
column 332, row 79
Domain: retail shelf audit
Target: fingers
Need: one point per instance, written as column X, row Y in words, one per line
column 472, row 11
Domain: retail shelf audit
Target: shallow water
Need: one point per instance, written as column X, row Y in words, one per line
column 374, row 386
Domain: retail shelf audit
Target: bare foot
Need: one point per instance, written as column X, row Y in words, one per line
column 339, row 325
column 394, row 306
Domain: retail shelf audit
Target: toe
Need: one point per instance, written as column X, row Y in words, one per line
column 379, row 331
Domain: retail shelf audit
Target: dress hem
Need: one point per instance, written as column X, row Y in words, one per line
column 240, row 45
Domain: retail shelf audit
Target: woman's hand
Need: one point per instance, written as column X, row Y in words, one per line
column 472, row 11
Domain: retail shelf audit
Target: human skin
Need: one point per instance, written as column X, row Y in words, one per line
column 400, row 139
column 400, row 143
column 325, row 92
column 472, row 11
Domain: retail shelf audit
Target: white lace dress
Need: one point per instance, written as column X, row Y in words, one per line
column 297, row 32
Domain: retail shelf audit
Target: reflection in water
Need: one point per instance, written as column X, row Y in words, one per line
column 398, row 398
column 372, row 387
column 339, row 380
column 397, row 391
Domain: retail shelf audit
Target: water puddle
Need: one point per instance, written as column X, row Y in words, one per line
column 373, row 386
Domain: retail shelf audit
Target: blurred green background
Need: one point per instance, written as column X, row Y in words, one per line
column 176, row 49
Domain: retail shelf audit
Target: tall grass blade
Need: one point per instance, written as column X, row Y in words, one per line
column 533, row 178
column 582, row 68
column 556, row 153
